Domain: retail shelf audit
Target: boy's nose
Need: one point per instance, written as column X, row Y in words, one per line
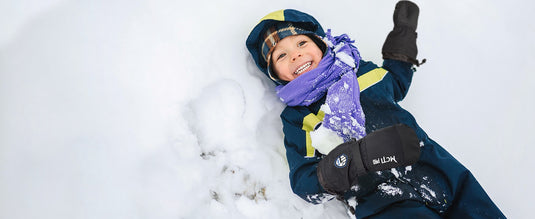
column 295, row 56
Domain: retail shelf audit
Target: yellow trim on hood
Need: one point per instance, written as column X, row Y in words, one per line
column 276, row 15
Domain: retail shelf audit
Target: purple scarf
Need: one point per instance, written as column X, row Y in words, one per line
column 336, row 77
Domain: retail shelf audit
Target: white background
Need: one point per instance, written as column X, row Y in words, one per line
column 154, row 109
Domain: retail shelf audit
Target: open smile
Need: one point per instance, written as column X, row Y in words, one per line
column 303, row 68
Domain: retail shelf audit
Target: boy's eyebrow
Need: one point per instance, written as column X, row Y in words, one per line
column 275, row 50
column 276, row 57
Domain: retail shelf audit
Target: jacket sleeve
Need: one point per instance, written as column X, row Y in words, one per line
column 302, row 161
column 402, row 77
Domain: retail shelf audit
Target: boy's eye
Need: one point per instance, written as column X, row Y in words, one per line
column 281, row 56
column 301, row 43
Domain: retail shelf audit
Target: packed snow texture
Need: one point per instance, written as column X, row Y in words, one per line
column 154, row 109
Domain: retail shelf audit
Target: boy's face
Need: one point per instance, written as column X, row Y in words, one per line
column 294, row 56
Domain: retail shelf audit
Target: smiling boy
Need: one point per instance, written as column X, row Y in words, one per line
column 345, row 134
column 295, row 55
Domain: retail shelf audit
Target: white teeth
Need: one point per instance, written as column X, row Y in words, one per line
column 303, row 68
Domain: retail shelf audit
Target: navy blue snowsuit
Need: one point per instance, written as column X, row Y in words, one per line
column 437, row 185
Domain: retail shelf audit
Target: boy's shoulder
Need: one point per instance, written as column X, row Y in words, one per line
column 365, row 67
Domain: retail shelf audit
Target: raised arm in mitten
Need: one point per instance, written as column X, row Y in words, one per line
column 400, row 44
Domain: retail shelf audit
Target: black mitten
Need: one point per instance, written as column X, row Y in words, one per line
column 400, row 44
column 390, row 147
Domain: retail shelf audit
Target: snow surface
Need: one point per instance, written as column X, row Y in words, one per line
column 154, row 109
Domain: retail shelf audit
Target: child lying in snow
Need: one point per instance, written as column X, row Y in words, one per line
column 345, row 134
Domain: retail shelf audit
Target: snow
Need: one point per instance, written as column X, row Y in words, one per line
column 347, row 59
column 390, row 190
column 428, row 190
column 325, row 140
column 154, row 109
